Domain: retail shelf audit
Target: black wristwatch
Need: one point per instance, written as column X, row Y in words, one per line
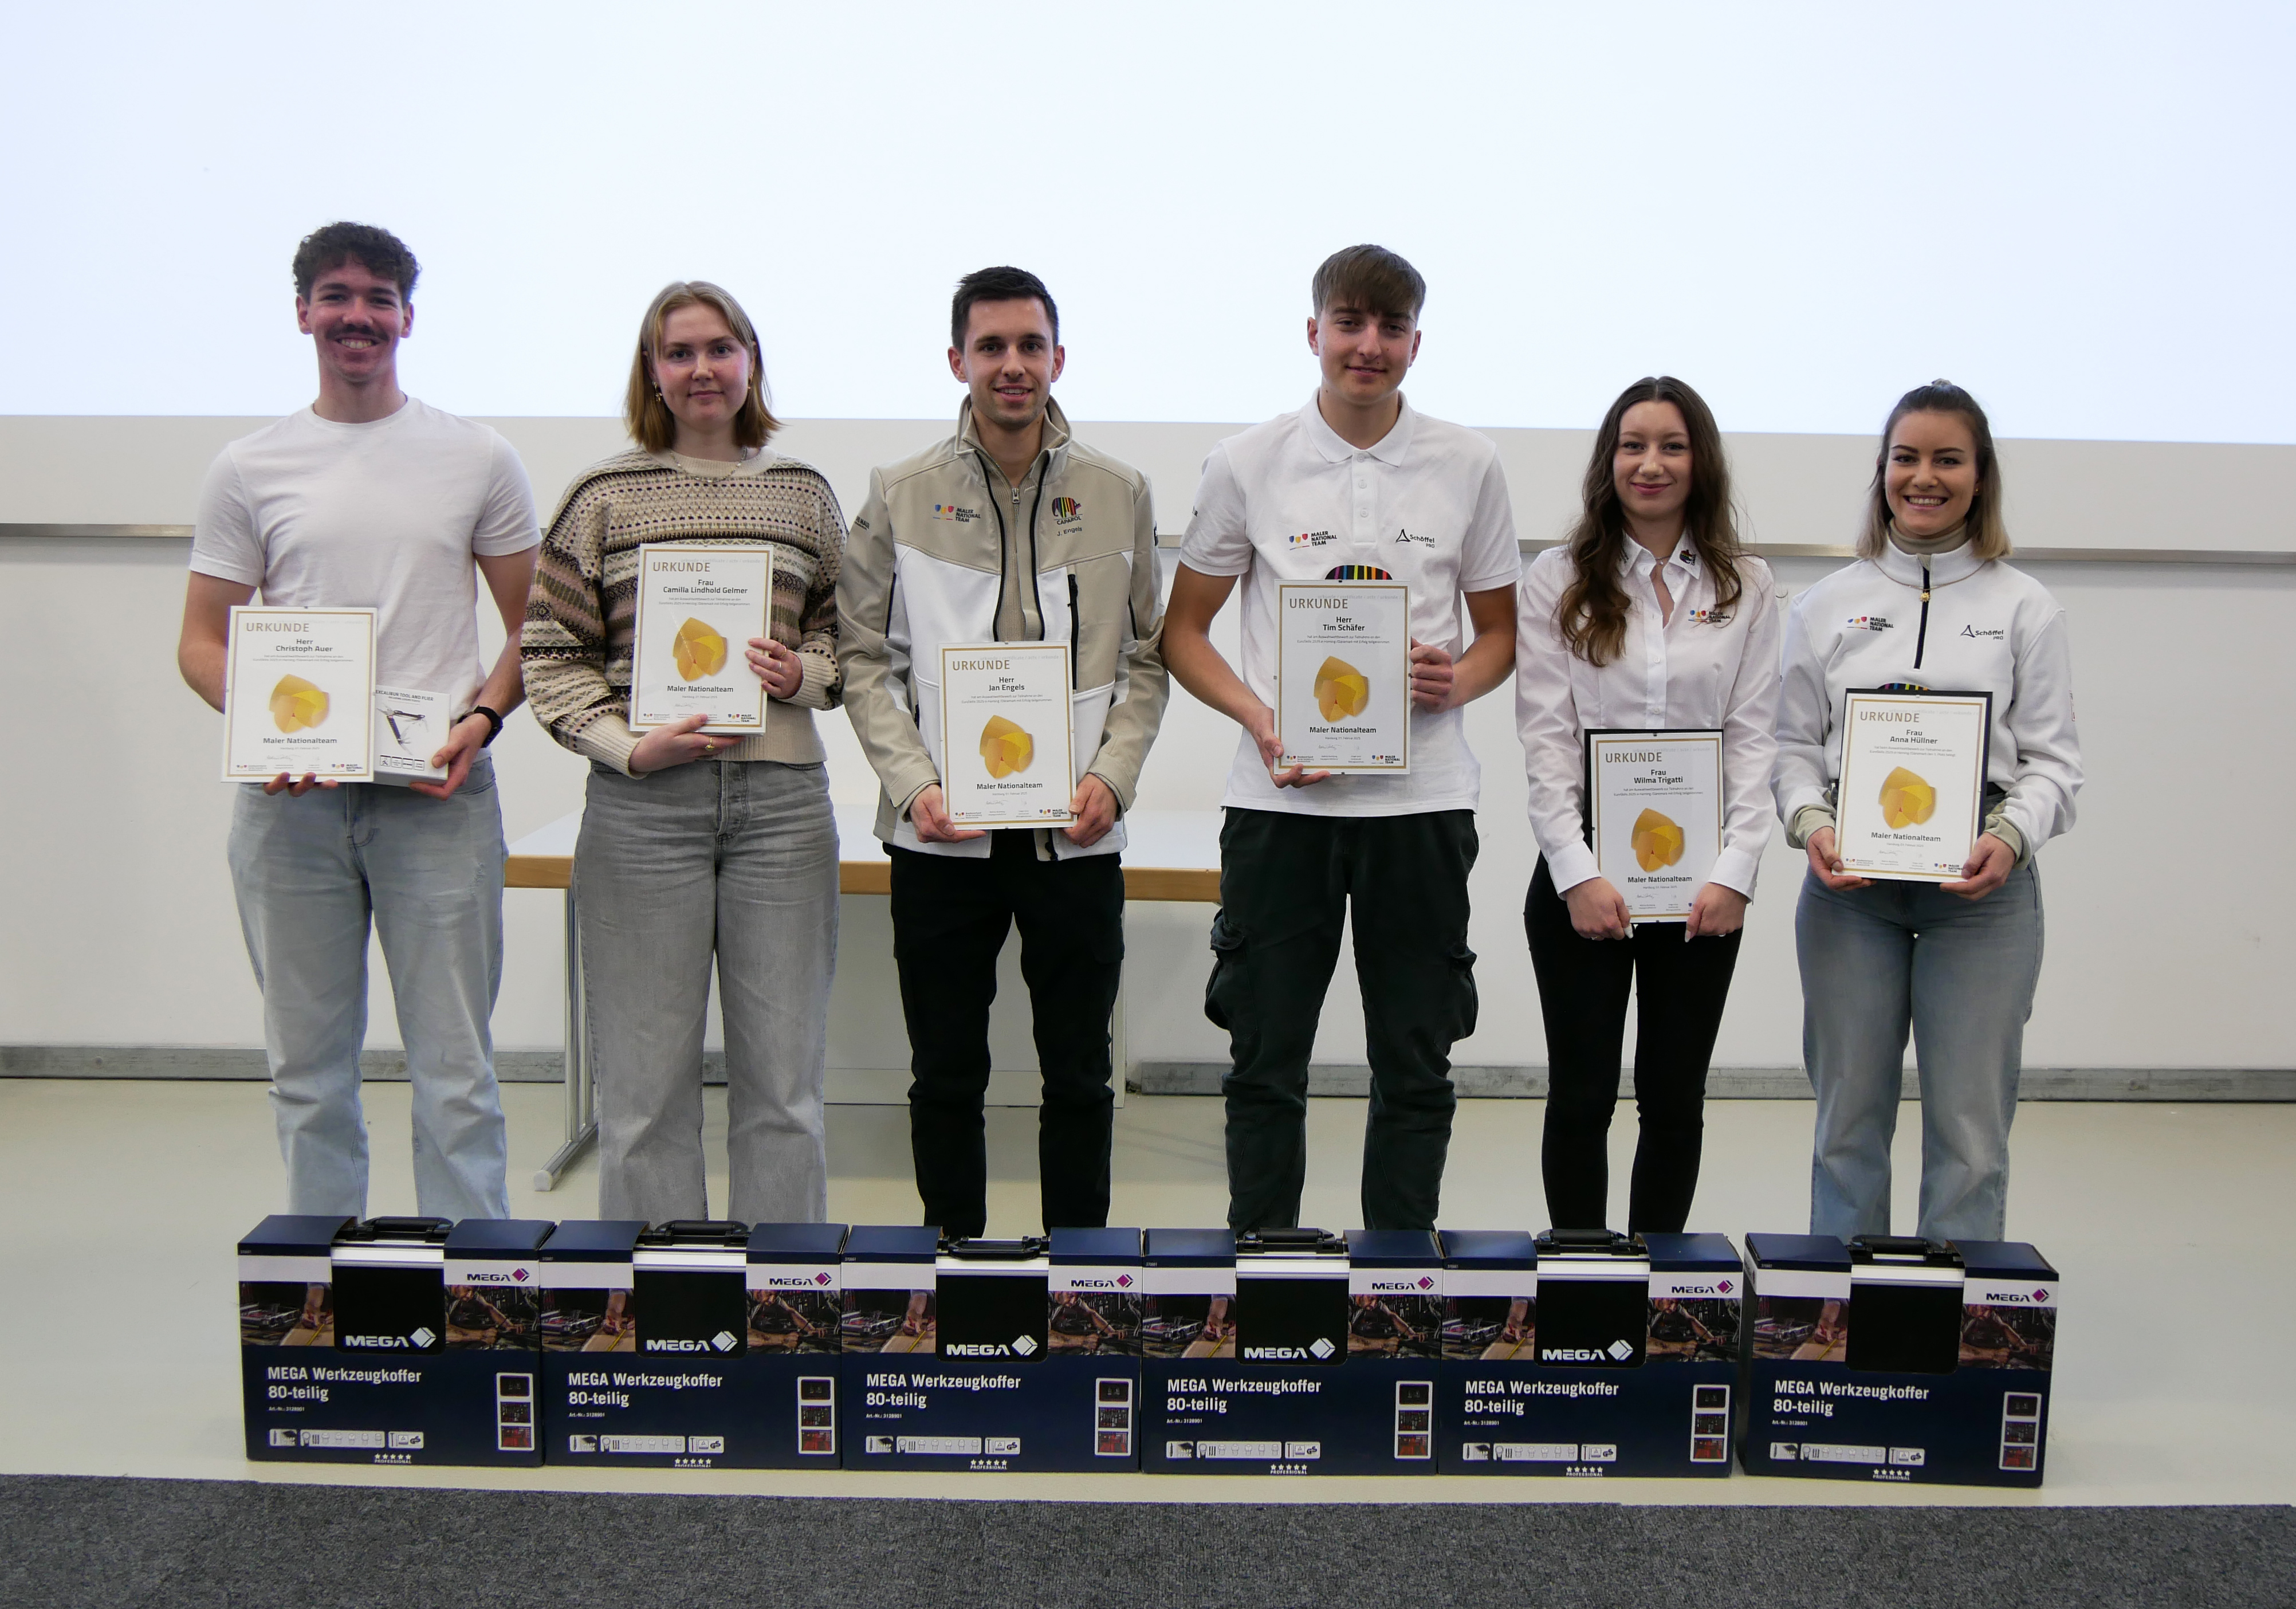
column 493, row 723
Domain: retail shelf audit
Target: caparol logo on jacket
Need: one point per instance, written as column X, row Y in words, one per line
column 1068, row 511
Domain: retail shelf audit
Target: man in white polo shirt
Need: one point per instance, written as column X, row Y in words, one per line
column 1355, row 486
column 369, row 499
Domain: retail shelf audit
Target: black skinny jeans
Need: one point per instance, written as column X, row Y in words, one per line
column 950, row 917
column 1582, row 994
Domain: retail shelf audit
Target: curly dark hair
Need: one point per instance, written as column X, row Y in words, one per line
column 382, row 253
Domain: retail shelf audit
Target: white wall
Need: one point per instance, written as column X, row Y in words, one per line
column 118, row 929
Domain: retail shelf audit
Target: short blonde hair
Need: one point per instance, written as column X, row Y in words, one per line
column 1988, row 533
column 651, row 423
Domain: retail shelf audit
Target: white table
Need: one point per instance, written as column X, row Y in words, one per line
column 1169, row 855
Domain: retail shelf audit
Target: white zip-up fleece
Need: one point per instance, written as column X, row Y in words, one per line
column 1988, row 628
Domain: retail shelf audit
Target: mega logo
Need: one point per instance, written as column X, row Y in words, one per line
column 1023, row 1346
column 417, row 1341
column 722, row 1342
column 795, row 1281
column 1405, row 1287
column 1318, row 1349
column 1617, row 1352
column 480, row 1276
column 1122, row 1282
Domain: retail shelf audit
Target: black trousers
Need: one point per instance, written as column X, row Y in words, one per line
column 1286, row 882
column 1582, row 994
column 950, row 917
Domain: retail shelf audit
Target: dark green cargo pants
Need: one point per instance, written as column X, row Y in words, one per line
column 1286, row 884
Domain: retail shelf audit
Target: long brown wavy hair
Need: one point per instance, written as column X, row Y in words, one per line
column 1593, row 612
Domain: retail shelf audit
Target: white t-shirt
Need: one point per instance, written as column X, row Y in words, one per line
column 387, row 516
column 1290, row 501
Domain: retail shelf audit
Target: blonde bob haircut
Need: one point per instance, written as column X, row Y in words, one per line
column 651, row 423
column 1988, row 533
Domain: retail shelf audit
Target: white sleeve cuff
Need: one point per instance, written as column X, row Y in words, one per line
column 1571, row 865
column 1734, row 868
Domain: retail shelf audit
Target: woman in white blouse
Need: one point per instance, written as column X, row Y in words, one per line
column 1649, row 618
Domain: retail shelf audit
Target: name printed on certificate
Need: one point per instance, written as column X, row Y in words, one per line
column 299, row 684
column 1655, row 815
column 410, row 726
column 699, row 605
column 1007, row 753
column 1911, row 799
column 1343, row 677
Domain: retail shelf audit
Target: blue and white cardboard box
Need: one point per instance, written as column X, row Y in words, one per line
column 1016, row 1355
column 1590, row 1356
column 396, row 1341
column 694, row 1345
column 1291, row 1353
column 1899, row 1360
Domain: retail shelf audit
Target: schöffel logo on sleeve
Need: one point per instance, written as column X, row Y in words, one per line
column 1868, row 622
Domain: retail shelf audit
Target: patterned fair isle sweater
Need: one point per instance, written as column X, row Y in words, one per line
column 582, row 615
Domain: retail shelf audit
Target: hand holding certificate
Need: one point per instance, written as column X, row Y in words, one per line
column 298, row 686
column 1911, row 798
column 1654, row 816
column 1343, row 677
column 1007, row 759
column 698, row 606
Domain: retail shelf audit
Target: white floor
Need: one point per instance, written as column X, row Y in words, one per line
column 120, row 1203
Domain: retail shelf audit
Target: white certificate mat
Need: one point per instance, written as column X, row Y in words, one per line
column 1655, row 811
column 1911, row 799
column 699, row 605
column 410, row 726
column 1008, row 758
column 298, row 686
column 1343, row 676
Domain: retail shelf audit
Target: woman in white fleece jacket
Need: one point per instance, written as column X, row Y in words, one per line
column 1930, row 605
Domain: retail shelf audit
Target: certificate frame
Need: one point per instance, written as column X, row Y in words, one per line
column 1691, row 783
column 653, row 702
column 1883, row 728
column 1034, row 681
column 1393, row 671
column 349, row 751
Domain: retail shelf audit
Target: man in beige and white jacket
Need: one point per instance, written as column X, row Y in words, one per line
column 1010, row 530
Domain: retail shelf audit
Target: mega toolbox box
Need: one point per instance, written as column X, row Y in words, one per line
column 394, row 1341
column 1290, row 1351
column 992, row 1354
column 694, row 1346
column 1589, row 1353
column 1891, row 1358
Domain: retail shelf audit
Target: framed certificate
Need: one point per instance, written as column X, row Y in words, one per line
column 410, row 726
column 1911, row 798
column 1654, row 816
column 699, row 605
column 1007, row 757
column 1343, row 676
column 298, row 684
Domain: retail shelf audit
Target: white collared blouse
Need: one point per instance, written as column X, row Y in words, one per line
column 1704, row 668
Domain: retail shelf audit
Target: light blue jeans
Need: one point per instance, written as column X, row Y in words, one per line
column 311, row 875
column 1875, row 963
column 735, row 860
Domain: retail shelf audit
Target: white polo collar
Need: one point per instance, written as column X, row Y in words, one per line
column 1636, row 560
column 1389, row 449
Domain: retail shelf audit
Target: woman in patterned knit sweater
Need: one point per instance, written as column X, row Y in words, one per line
column 697, row 844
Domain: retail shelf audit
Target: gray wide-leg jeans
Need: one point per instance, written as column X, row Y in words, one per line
column 1879, row 961
column 738, row 860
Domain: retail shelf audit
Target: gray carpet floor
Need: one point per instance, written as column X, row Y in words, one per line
column 69, row 1540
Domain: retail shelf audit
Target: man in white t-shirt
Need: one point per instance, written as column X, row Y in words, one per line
column 369, row 499
column 1356, row 485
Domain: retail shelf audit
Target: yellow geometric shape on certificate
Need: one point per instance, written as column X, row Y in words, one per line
column 700, row 651
column 1907, row 800
column 1657, row 841
column 1005, row 747
column 297, row 705
column 1341, row 691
